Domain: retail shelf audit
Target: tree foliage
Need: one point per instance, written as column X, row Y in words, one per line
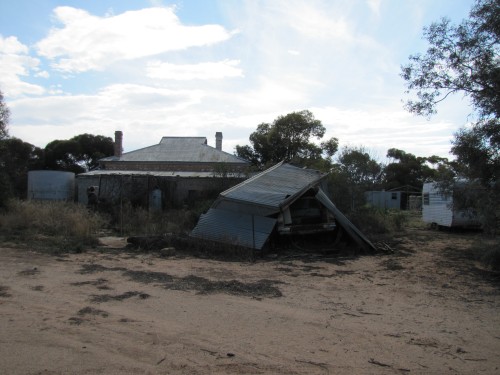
column 19, row 157
column 406, row 169
column 288, row 138
column 465, row 59
column 478, row 152
column 460, row 59
column 78, row 154
column 357, row 163
column 5, row 185
column 354, row 172
column 4, row 117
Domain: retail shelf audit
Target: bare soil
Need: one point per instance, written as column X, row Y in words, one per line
column 424, row 309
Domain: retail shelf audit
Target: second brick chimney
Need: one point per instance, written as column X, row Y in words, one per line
column 118, row 143
column 218, row 141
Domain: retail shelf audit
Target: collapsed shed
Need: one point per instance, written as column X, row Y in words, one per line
column 283, row 199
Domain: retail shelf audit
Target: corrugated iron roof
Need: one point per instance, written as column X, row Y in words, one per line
column 110, row 172
column 179, row 149
column 275, row 186
column 234, row 228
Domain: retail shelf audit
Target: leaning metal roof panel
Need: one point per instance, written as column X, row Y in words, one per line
column 274, row 186
column 344, row 222
column 234, row 228
column 179, row 149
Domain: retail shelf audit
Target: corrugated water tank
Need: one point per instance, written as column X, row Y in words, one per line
column 51, row 185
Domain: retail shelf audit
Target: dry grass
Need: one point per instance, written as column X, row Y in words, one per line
column 56, row 225
column 133, row 221
column 372, row 221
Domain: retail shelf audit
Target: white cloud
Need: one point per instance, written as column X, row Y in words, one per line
column 11, row 46
column 136, row 108
column 87, row 42
column 206, row 70
column 14, row 64
column 290, row 55
column 313, row 21
column 42, row 74
column 382, row 128
column 374, row 5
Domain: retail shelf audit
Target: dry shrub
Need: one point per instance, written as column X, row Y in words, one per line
column 373, row 221
column 133, row 221
column 62, row 225
column 487, row 252
column 369, row 221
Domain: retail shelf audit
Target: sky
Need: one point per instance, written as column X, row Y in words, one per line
column 195, row 67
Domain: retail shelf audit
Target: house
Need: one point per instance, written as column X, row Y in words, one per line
column 439, row 211
column 174, row 172
column 283, row 200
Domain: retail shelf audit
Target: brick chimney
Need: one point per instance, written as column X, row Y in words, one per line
column 218, row 141
column 118, row 143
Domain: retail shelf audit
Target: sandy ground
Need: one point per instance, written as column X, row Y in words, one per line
column 422, row 310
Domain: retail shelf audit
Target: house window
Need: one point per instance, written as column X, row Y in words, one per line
column 394, row 196
column 426, row 199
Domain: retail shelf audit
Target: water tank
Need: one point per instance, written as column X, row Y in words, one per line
column 155, row 200
column 51, row 185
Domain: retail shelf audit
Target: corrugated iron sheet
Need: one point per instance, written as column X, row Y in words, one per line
column 275, row 186
column 234, row 228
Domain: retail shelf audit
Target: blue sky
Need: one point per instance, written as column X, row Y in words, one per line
column 195, row 67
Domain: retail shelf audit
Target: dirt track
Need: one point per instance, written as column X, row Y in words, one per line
column 422, row 310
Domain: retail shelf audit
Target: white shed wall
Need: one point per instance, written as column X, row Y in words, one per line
column 439, row 209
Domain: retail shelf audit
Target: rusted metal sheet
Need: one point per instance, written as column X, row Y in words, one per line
column 234, row 228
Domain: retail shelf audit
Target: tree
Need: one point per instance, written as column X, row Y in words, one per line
column 92, row 148
column 354, row 173
column 61, row 155
column 465, row 59
column 288, row 138
column 405, row 169
column 4, row 117
column 19, row 157
column 78, row 154
column 5, row 185
column 460, row 59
